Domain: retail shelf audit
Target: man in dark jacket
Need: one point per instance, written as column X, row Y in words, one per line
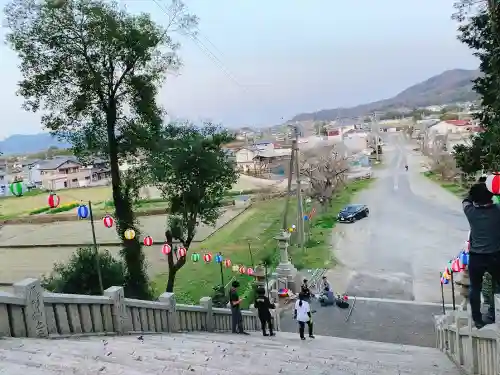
column 236, row 317
column 262, row 304
column 484, row 253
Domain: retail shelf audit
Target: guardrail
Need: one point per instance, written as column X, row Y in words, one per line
column 32, row 312
column 475, row 351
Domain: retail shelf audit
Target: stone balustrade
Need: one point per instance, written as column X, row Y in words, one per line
column 31, row 311
column 475, row 351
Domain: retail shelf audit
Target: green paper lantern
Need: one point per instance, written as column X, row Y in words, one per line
column 195, row 257
column 496, row 199
column 16, row 188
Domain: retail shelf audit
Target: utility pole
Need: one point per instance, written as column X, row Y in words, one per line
column 300, row 207
column 374, row 131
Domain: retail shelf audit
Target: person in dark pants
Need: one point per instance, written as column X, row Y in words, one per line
column 236, row 317
column 306, row 292
column 303, row 316
column 484, row 253
column 263, row 305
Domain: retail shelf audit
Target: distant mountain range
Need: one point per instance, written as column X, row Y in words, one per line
column 448, row 87
column 28, row 144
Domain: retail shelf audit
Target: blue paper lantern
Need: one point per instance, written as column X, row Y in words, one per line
column 218, row 258
column 306, row 217
column 444, row 281
column 464, row 258
column 83, row 212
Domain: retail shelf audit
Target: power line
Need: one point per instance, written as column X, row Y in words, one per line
column 206, row 51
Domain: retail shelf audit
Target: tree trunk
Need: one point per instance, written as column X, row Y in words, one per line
column 136, row 281
column 171, row 280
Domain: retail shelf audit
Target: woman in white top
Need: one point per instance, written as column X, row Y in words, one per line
column 303, row 316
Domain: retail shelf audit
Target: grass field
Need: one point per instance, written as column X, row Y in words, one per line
column 453, row 187
column 260, row 224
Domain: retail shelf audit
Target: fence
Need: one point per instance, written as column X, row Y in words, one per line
column 32, row 312
column 475, row 351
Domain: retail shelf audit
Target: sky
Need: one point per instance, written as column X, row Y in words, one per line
column 275, row 59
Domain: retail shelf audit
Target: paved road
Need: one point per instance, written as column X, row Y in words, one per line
column 396, row 253
column 414, row 228
column 406, row 324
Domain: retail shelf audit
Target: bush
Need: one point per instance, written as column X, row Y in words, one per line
column 39, row 210
column 64, row 208
column 79, row 274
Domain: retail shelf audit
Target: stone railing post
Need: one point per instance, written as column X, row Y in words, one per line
column 169, row 299
column 496, row 298
column 36, row 322
column 118, row 309
column 206, row 303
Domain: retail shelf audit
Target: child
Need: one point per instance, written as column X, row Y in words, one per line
column 262, row 304
column 303, row 315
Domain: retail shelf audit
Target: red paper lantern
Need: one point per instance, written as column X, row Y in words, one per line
column 250, row 271
column 108, row 221
column 181, row 251
column 53, row 200
column 493, row 183
column 207, row 258
column 227, row 263
column 242, row 269
column 148, row 241
column 166, row 249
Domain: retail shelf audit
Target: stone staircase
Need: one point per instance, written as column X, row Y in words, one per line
column 216, row 354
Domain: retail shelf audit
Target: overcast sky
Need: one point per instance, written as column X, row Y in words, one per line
column 286, row 57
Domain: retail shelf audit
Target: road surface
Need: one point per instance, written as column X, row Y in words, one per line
column 414, row 228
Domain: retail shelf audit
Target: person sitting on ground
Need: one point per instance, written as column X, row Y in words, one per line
column 484, row 253
column 327, row 298
column 326, row 284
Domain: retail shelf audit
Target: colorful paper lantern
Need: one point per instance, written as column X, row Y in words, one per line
column 166, row 249
column 455, row 265
column 306, row 217
column 496, row 199
column 207, row 258
column 53, row 200
column 181, row 251
column 129, row 234
column 242, row 269
column 227, row 263
column 108, row 222
column 235, row 268
column 195, row 257
column 493, row 183
column 446, row 275
column 148, row 241
column 250, row 271
column 219, row 258
column 464, row 258
column 444, row 281
column 16, row 188
column 83, row 212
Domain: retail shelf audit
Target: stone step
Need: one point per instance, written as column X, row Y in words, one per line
column 217, row 354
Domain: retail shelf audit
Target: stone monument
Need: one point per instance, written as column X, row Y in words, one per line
column 286, row 269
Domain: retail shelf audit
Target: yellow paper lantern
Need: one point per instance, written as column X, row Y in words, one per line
column 290, row 230
column 235, row 268
column 129, row 234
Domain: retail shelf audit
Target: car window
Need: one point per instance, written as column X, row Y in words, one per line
column 353, row 208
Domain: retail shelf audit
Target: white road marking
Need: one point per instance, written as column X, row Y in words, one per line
column 403, row 302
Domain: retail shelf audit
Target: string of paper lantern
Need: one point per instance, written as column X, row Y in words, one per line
column 457, row 264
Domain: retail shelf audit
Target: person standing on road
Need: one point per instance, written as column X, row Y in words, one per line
column 484, row 253
column 236, row 317
column 303, row 316
column 263, row 305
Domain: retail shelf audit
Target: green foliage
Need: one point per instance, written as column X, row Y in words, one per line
column 94, row 71
column 39, row 210
column 448, row 116
column 79, row 274
column 194, row 173
column 219, row 297
column 64, row 208
column 480, row 35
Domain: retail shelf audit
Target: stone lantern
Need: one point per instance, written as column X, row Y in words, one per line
column 286, row 270
column 259, row 273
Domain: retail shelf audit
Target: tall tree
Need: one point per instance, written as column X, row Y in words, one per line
column 94, row 72
column 193, row 172
column 480, row 33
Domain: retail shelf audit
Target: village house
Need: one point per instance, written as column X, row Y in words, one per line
column 454, row 126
